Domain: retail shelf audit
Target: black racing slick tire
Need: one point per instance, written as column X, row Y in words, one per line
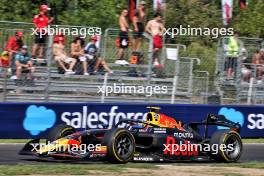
column 120, row 145
column 60, row 131
column 229, row 145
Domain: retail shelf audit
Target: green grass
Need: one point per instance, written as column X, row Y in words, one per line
column 17, row 140
column 233, row 174
column 251, row 164
column 73, row 169
column 257, row 140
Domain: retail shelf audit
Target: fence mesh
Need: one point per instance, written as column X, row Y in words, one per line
column 186, row 77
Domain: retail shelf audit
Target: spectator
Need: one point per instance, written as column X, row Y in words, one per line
column 60, row 55
column 138, row 23
column 123, row 38
column 41, row 21
column 4, row 61
column 14, row 44
column 246, row 66
column 93, row 58
column 156, row 29
column 77, row 51
column 232, row 55
column 23, row 62
column 59, row 37
column 258, row 60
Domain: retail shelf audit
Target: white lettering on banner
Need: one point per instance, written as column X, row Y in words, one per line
column 256, row 121
column 98, row 120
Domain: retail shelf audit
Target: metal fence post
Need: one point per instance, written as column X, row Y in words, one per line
column 49, row 56
column 104, row 88
column 150, row 59
column 176, row 76
column 250, row 91
column 5, row 84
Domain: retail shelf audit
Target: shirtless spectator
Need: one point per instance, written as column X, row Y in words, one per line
column 14, row 44
column 60, row 55
column 41, row 21
column 123, row 37
column 77, row 51
column 258, row 60
column 138, row 23
column 246, row 66
column 156, row 29
column 92, row 57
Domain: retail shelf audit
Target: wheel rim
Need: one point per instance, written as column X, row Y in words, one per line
column 235, row 142
column 124, row 146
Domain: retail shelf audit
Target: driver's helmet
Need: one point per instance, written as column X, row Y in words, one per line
column 153, row 118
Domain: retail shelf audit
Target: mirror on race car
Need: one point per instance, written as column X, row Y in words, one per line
column 212, row 117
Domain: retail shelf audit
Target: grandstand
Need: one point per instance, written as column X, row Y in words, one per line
column 185, row 84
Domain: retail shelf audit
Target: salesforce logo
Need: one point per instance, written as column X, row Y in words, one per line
column 232, row 115
column 93, row 120
column 38, row 119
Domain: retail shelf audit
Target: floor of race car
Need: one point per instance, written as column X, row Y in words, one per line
column 9, row 155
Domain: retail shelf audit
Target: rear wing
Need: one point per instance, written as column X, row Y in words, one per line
column 217, row 120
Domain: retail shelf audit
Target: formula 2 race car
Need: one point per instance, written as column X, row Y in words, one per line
column 159, row 138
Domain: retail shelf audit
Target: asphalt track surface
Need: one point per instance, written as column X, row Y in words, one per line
column 9, row 155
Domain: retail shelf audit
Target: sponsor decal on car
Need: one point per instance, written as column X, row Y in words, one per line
column 183, row 135
column 145, row 130
column 160, row 130
column 143, row 159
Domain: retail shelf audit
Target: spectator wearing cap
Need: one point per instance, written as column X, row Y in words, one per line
column 60, row 37
column 41, row 21
column 60, row 55
column 92, row 57
column 23, row 62
column 14, row 44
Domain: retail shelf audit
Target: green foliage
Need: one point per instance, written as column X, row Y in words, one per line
column 250, row 21
column 206, row 54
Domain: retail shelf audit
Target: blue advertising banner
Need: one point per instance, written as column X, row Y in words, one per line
column 30, row 120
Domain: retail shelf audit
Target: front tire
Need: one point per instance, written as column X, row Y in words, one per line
column 120, row 145
column 60, row 131
column 232, row 141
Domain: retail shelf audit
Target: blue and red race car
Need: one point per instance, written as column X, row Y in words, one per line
column 159, row 138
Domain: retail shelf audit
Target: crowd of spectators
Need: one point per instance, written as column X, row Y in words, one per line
column 238, row 58
column 19, row 58
column 154, row 28
column 252, row 67
column 84, row 58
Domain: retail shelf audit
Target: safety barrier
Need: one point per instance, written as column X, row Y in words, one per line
column 30, row 120
column 50, row 85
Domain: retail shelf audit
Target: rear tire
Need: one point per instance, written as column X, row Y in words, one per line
column 60, row 131
column 228, row 138
column 120, row 145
